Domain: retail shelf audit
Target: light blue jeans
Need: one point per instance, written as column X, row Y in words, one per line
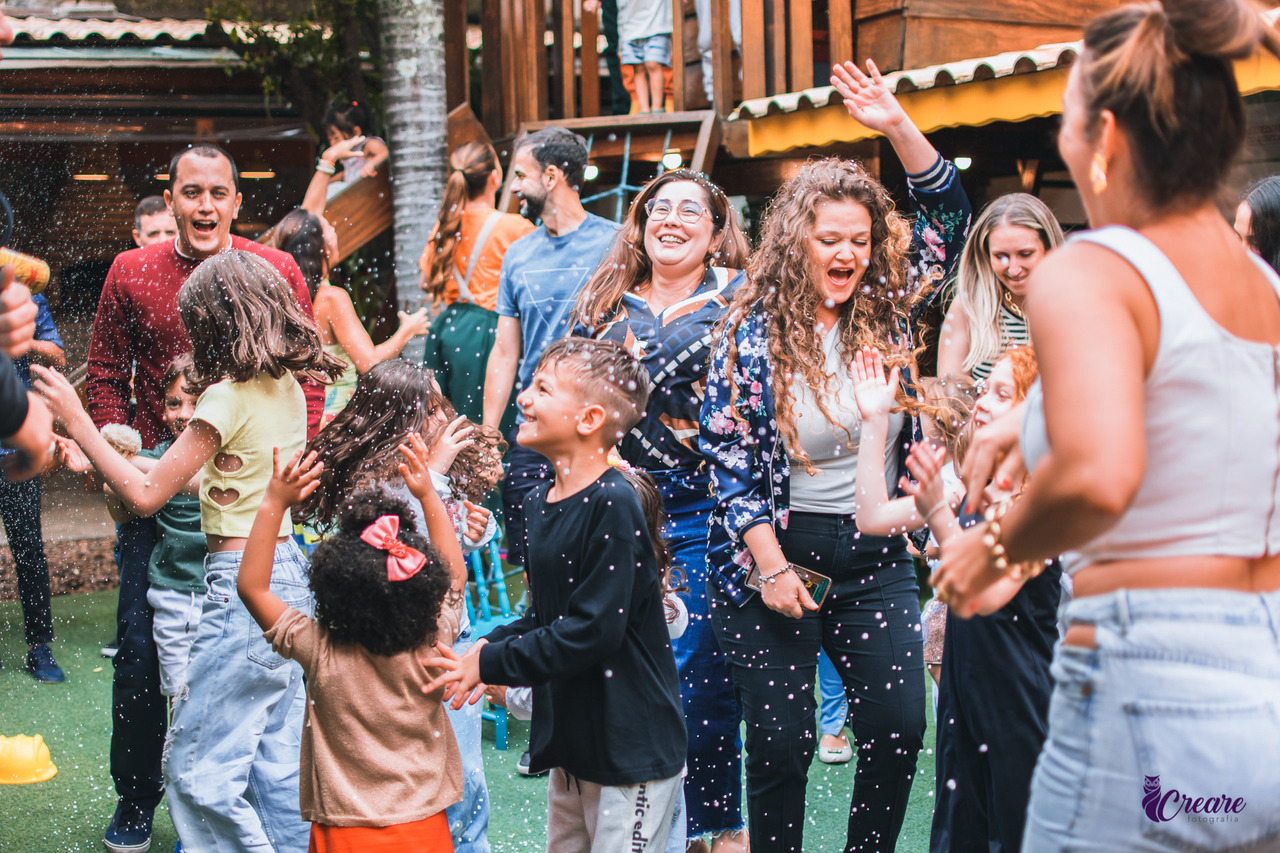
column 231, row 767
column 834, row 710
column 1165, row 736
column 469, row 819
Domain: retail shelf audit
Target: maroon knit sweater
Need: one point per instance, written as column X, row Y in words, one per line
column 138, row 322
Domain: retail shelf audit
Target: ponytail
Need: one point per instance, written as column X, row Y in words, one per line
column 1164, row 70
column 469, row 171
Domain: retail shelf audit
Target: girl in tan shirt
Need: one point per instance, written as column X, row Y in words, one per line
column 379, row 760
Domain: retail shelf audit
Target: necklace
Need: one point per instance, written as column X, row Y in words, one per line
column 1013, row 306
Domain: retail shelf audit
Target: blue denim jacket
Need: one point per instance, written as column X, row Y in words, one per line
column 750, row 470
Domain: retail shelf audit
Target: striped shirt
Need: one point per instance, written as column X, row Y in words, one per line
column 1013, row 333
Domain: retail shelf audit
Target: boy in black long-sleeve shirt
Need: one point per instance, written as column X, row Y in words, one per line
column 607, row 717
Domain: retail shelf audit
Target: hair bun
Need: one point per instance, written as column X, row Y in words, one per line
column 1219, row 29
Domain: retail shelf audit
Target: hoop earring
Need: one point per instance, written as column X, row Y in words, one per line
column 1098, row 175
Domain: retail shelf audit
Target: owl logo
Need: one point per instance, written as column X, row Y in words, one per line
column 1151, row 797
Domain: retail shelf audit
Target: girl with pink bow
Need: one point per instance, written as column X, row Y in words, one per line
column 370, row 779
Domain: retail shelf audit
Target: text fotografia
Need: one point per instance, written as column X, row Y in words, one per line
column 1163, row 806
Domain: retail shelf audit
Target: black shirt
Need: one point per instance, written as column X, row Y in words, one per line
column 594, row 642
column 13, row 398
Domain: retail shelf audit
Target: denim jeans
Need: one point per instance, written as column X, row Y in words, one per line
column 232, row 765
column 139, row 711
column 834, row 710
column 1165, row 736
column 713, row 785
column 869, row 626
column 20, row 509
column 469, row 819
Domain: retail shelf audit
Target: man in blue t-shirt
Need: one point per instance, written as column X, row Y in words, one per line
column 542, row 273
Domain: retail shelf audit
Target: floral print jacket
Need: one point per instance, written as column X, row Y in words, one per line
column 750, row 469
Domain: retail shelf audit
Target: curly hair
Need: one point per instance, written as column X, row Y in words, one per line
column 473, row 468
column 243, row 319
column 356, row 602
column 782, row 281
column 627, row 265
column 392, row 400
column 948, row 403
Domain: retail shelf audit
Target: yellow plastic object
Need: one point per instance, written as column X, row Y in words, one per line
column 25, row 759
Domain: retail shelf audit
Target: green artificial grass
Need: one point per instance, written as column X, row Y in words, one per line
column 70, row 811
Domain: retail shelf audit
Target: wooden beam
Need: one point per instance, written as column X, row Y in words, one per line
column 776, row 53
column 493, row 105
column 536, row 21
column 801, row 44
column 840, row 31
column 704, row 152
column 754, row 79
column 457, row 75
column 564, row 96
column 590, row 64
column 722, row 76
column 360, row 212
column 678, row 94
column 506, row 197
column 464, row 127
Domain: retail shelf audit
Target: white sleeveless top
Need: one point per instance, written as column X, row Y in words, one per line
column 1212, row 425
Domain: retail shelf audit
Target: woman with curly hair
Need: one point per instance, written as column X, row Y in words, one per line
column 780, row 429
column 1008, row 239
column 660, row 291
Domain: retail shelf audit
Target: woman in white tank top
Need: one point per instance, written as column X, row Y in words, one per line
column 1154, row 453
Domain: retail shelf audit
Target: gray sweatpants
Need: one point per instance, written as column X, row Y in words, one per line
column 583, row 817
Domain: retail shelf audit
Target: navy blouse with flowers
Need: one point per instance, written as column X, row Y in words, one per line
column 674, row 347
column 750, row 472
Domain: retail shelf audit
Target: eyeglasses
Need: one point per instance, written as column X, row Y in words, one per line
column 689, row 211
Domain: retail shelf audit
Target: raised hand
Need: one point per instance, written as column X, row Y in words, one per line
column 297, row 479
column 343, row 150
column 456, row 436
column 867, row 97
column 461, row 676
column 477, row 521
column 59, row 394
column 415, row 469
column 875, row 393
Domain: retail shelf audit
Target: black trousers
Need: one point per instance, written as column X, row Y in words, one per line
column 869, row 626
column 993, row 714
column 139, row 711
column 20, row 509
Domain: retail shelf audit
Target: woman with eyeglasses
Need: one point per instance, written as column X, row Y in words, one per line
column 837, row 271
column 659, row 291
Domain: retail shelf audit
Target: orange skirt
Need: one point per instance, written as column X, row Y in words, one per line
column 421, row 836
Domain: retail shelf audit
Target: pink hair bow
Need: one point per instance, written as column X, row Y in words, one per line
column 403, row 562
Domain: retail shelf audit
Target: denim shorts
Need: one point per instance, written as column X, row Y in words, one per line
column 1165, row 736
column 651, row 49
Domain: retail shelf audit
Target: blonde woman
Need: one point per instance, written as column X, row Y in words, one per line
column 1011, row 236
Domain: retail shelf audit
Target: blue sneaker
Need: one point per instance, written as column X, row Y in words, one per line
column 43, row 667
column 130, row 830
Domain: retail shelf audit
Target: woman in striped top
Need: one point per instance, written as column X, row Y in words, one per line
column 1012, row 235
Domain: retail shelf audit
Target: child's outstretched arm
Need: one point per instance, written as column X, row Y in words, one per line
column 375, row 153
column 876, row 514
column 929, row 492
column 416, row 471
column 288, row 486
column 142, row 494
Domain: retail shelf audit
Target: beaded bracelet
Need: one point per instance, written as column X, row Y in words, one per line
column 996, row 552
column 326, row 167
column 773, row 578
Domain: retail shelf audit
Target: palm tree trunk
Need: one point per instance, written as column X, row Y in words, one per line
column 414, row 97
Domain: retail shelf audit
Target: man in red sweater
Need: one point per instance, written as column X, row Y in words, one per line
column 136, row 333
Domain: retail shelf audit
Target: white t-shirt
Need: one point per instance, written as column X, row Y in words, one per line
column 641, row 19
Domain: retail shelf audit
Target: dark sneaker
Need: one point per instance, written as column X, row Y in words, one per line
column 43, row 667
column 522, row 766
column 130, row 830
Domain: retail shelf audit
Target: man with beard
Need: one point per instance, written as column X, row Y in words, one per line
column 541, row 275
